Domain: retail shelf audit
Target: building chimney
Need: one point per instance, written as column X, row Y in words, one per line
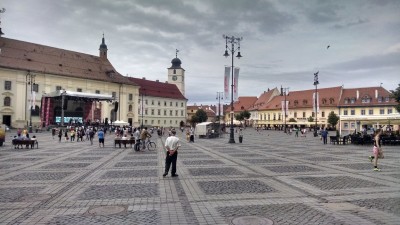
column 376, row 93
column 357, row 94
column 157, row 81
column 143, row 78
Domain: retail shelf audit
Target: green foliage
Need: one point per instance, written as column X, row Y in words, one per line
column 244, row 115
column 333, row 119
column 292, row 120
column 200, row 116
column 310, row 119
column 396, row 95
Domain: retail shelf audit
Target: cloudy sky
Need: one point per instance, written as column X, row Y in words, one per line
column 284, row 42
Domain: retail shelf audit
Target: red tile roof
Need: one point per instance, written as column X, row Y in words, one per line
column 328, row 97
column 243, row 103
column 158, row 89
column 376, row 95
column 264, row 98
column 20, row 55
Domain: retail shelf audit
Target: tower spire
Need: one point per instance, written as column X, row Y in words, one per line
column 103, row 49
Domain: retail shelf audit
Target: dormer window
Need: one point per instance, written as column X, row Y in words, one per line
column 352, row 100
column 346, row 101
column 366, row 99
column 296, row 102
column 387, row 99
column 324, row 101
column 331, row 100
column 380, row 99
column 304, row 102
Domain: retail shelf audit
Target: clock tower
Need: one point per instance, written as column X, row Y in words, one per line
column 176, row 74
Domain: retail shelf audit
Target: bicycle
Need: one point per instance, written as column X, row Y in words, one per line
column 150, row 145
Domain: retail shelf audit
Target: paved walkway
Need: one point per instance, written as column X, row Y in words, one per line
column 271, row 175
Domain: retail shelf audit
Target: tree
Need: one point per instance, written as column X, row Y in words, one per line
column 292, row 120
column 244, row 115
column 333, row 119
column 396, row 95
column 310, row 119
column 200, row 116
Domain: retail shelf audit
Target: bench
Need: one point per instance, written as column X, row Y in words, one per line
column 333, row 140
column 123, row 142
column 17, row 143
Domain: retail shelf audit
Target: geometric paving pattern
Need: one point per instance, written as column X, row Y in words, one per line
column 214, row 171
column 280, row 213
column 389, row 205
column 234, row 187
column 129, row 174
column 136, row 163
column 291, row 169
column 88, row 158
column 114, row 191
column 202, row 162
column 66, row 165
column 263, row 160
column 363, row 166
column 13, row 194
column 8, row 166
column 324, row 158
column 21, row 159
column 40, row 176
column 338, row 182
column 137, row 217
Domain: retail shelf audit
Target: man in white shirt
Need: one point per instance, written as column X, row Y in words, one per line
column 171, row 145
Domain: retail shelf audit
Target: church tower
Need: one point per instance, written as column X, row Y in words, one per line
column 176, row 74
column 103, row 49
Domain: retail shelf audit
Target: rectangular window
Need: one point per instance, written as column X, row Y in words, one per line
column 170, row 103
column 382, row 111
column 165, row 103
column 152, row 102
column 362, row 111
column 352, row 125
column 345, row 112
column 35, row 87
column 371, row 112
column 170, row 112
column 58, row 88
column 159, row 113
column 152, row 122
column 181, row 112
column 152, row 112
column 313, row 114
column 97, row 91
column 114, row 94
column 295, row 115
column 323, row 114
column 145, row 111
column 353, row 112
column 176, row 112
column 145, row 121
column 130, row 97
column 165, row 112
column 304, row 115
column 346, row 126
column 176, row 104
column 146, row 101
column 389, row 111
column 159, row 103
column 181, row 104
column 79, row 90
column 7, row 85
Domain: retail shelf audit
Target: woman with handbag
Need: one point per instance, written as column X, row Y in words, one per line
column 377, row 150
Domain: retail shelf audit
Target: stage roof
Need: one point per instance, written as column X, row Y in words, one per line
column 73, row 95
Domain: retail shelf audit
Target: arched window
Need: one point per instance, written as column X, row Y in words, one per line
column 324, row 101
column 7, row 101
column 331, row 100
column 36, row 111
column 174, row 71
column 130, row 108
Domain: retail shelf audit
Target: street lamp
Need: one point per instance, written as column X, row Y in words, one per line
column 30, row 80
column 142, row 105
column 232, row 40
column 284, row 92
column 316, row 102
column 219, row 97
column 1, row 11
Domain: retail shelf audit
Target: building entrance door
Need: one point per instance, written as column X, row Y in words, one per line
column 7, row 120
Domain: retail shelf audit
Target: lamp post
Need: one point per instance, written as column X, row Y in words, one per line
column 316, row 102
column 30, row 80
column 1, row 11
column 232, row 40
column 284, row 92
column 219, row 97
column 142, row 105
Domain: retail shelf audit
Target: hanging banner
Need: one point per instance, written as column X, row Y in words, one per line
column 226, row 81
column 235, row 84
column 283, row 108
column 316, row 107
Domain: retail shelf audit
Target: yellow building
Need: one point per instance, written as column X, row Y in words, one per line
column 364, row 108
column 27, row 68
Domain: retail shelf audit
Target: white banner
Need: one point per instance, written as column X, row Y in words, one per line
column 316, row 101
column 218, row 109
column 283, row 108
column 226, row 81
column 235, row 84
column 32, row 101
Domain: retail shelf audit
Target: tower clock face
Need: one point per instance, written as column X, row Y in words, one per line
column 174, row 78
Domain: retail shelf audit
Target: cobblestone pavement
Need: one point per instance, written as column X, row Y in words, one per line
column 270, row 175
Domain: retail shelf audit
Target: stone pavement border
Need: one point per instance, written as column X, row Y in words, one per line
column 270, row 175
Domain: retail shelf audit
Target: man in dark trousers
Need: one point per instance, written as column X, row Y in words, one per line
column 171, row 145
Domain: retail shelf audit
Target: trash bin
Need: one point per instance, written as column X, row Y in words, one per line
column 240, row 139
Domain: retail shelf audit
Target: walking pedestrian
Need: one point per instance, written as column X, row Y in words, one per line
column 191, row 134
column 143, row 136
column 91, row 136
column 60, row 131
column 377, row 150
column 100, row 134
column 324, row 135
column 172, row 145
